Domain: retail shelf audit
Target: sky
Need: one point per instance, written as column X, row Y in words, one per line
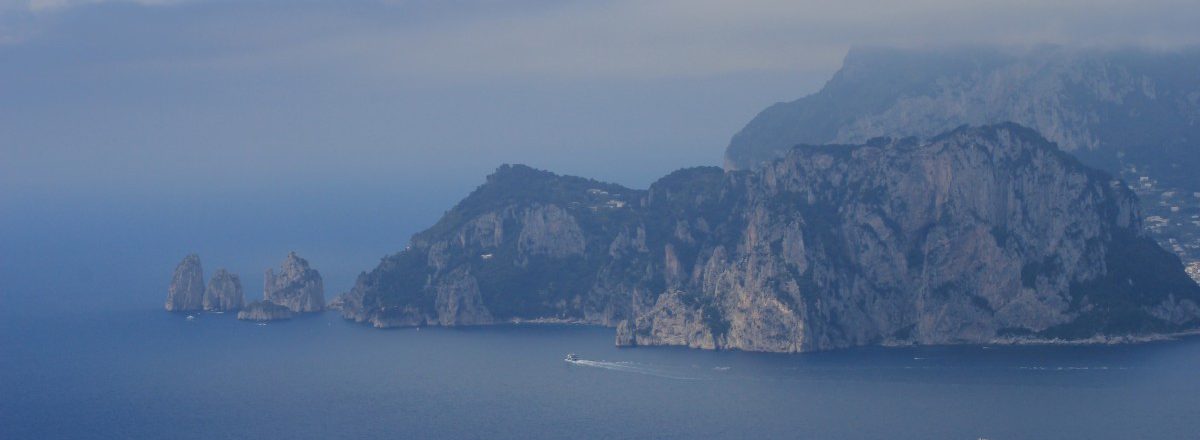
column 226, row 96
column 256, row 127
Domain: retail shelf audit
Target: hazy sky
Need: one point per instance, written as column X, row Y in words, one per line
column 134, row 132
column 225, row 96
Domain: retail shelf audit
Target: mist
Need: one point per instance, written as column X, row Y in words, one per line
column 136, row 132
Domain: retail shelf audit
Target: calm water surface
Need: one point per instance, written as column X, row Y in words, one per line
column 152, row 374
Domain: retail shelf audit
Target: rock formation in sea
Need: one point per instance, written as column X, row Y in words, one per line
column 264, row 311
column 975, row 235
column 224, row 292
column 186, row 292
column 625, row 336
column 337, row 303
column 297, row 286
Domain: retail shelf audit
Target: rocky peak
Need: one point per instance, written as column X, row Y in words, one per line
column 224, row 292
column 186, row 292
column 297, row 286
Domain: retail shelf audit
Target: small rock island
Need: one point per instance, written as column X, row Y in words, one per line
column 297, row 288
column 186, row 293
column 264, row 311
column 224, row 292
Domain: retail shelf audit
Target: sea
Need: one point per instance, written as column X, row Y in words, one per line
column 145, row 373
column 86, row 352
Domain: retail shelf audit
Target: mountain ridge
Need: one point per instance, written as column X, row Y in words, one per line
column 1111, row 107
column 974, row 236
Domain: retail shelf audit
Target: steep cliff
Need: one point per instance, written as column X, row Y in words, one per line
column 224, row 292
column 976, row 235
column 526, row 245
column 186, row 291
column 297, row 286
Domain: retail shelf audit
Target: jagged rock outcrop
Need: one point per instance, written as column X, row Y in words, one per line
column 523, row 246
column 625, row 337
column 457, row 300
column 675, row 320
column 224, row 292
column 297, row 286
column 264, row 311
column 1108, row 107
column 186, row 292
column 337, row 303
column 975, row 235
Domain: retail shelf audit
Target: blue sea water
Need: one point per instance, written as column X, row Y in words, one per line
column 152, row 374
column 86, row 352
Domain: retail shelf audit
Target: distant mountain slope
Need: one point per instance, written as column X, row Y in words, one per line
column 1110, row 108
column 978, row 235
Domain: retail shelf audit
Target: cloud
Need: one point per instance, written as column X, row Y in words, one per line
column 109, row 91
column 19, row 19
column 705, row 37
column 56, row 5
column 634, row 38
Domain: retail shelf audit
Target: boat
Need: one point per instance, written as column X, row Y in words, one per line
column 572, row 357
column 191, row 317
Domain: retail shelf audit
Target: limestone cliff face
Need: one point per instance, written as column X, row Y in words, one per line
column 186, row 292
column 297, row 286
column 976, row 235
column 224, row 292
column 264, row 311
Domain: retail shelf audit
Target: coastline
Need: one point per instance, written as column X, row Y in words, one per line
column 1002, row 341
column 1099, row 339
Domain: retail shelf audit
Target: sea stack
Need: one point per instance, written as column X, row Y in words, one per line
column 625, row 336
column 264, row 311
column 186, row 293
column 297, row 287
column 224, row 292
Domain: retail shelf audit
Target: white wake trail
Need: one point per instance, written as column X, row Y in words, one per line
column 630, row 367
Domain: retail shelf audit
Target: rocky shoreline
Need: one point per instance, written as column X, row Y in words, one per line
column 1100, row 339
column 623, row 333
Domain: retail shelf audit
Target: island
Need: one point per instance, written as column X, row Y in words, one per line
column 982, row 234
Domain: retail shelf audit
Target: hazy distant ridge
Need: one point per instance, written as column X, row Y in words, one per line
column 1108, row 107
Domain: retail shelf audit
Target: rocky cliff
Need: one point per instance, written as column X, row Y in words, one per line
column 224, row 292
column 1133, row 113
column 264, row 311
column 186, row 291
column 976, row 235
column 297, row 286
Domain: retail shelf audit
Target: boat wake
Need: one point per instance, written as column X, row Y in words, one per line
column 1071, row 368
column 631, row 367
